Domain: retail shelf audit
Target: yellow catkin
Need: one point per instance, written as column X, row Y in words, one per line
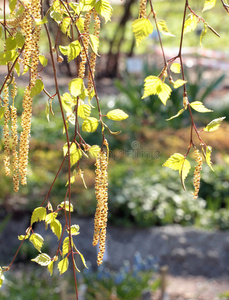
column 27, row 28
column 84, row 51
column 93, row 55
column 196, row 177
column 142, row 9
column 6, row 132
column 31, row 54
column 101, row 192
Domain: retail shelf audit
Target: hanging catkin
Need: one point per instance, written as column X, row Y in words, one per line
column 93, row 55
column 85, row 38
column 196, row 178
column 6, row 132
column 142, row 9
column 100, row 221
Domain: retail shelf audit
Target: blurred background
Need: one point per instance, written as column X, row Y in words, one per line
column 155, row 228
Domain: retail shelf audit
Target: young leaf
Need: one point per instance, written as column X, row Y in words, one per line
column 56, row 228
column 203, row 33
column 94, row 42
column 141, row 29
column 82, row 257
column 84, row 111
column 94, row 151
column 190, row 23
column 104, row 8
column 76, row 86
column 23, row 237
column 90, row 124
column 65, row 246
column 74, row 230
column 117, row 115
column 163, row 27
column 20, row 39
column 65, row 26
column 208, row 4
column 50, row 267
column 184, row 171
column 80, row 24
column 12, row 5
column 208, row 156
column 75, row 153
column 11, row 43
column 198, row 106
column 1, row 277
column 72, row 50
column 67, row 102
column 177, row 115
column 42, row 259
column 72, row 179
column 165, row 92
column 2, row 112
column 39, row 214
column 50, row 217
column 175, row 162
column 178, row 83
column 65, row 205
column 175, row 68
column 214, row 124
column 37, row 88
column 37, row 241
column 43, row 60
column 63, row 265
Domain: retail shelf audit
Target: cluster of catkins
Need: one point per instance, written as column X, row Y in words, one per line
column 100, row 221
column 25, row 22
column 196, row 178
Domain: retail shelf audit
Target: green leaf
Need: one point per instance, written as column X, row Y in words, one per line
column 203, row 33
column 214, row 124
column 190, row 23
column 1, row 277
column 177, row 115
column 86, row 5
column 208, row 4
column 37, row 88
column 42, row 21
column 37, row 241
column 178, row 83
column 50, row 217
column 104, row 8
column 94, row 151
column 74, row 230
column 42, row 259
column 72, row 178
column 56, row 228
column 72, row 50
column 84, row 111
column 65, row 26
column 117, row 115
column 82, row 257
column 163, row 28
column 65, row 205
column 43, row 60
column 90, row 124
column 65, row 246
column 2, row 112
column 17, row 68
column 12, row 5
column 63, row 265
column 76, row 86
column 184, row 171
column 141, row 29
column 198, row 106
column 23, row 237
column 208, row 156
column 94, row 42
column 50, row 267
column 20, row 39
column 175, row 162
column 67, row 102
column 47, row 111
column 165, row 92
column 75, row 153
column 80, row 24
column 39, row 214
column 175, row 67
column 11, row 43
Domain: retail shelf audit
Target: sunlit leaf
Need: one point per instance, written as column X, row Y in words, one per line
column 37, row 88
column 214, row 124
column 12, row 5
column 117, row 115
column 23, row 237
column 72, row 50
column 175, row 162
column 39, row 214
column 65, row 246
column 74, row 230
column 63, row 265
column 198, row 106
column 141, row 29
column 94, row 151
column 94, row 42
column 190, row 23
column 1, row 277
column 82, row 257
column 175, row 67
column 11, row 43
column 84, row 111
column 104, row 8
column 42, row 259
column 90, row 124
column 151, row 86
column 184, row 171
column 162, row 26
column 56, row 228
column 65, row 26
column 50, row 267
column 80, row 24
column 208, row 156
column 20, row 39
column 65, row 205
column 76, row 86
column 178, row 83
column 177, row 115
column 208, row 4
column 50, row 217
column 37, row 241
column 203, row 33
